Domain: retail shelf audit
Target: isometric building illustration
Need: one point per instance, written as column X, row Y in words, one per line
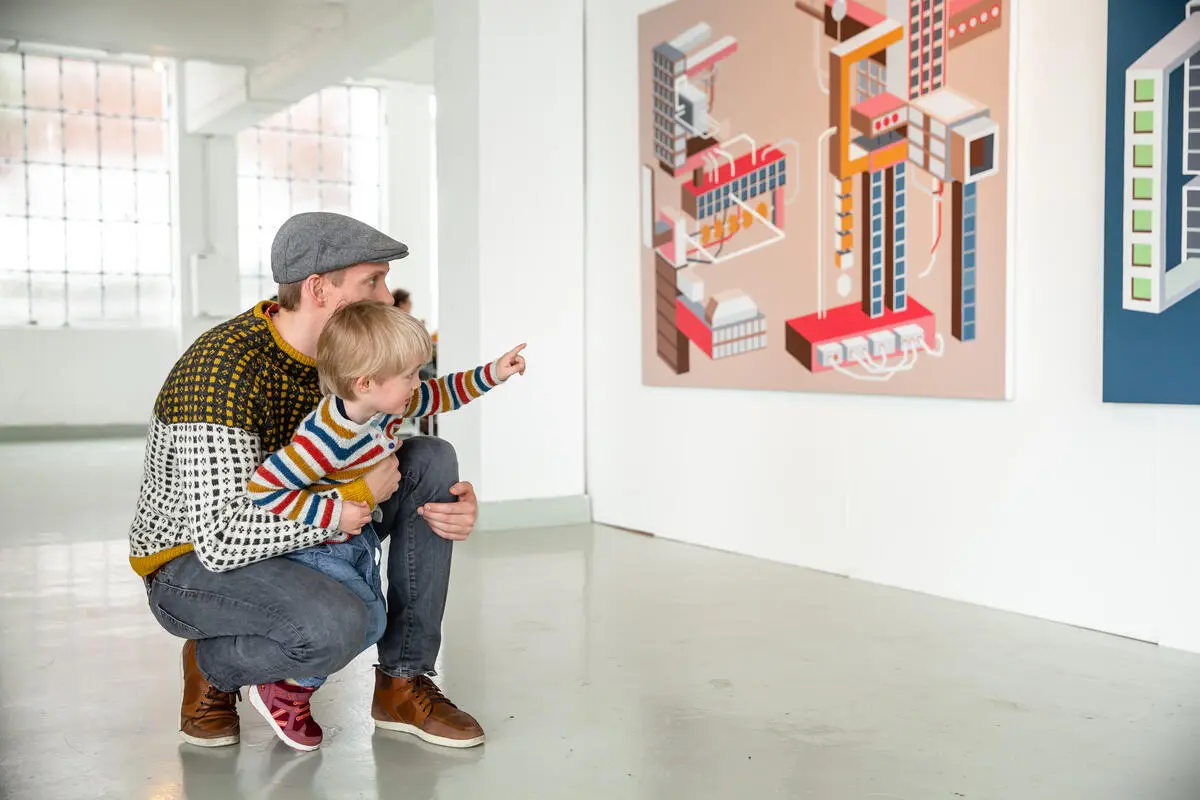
column 1152, row 202
column 757, row 184
column 1152, row 283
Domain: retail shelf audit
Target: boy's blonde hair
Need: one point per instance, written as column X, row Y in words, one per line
column 369, row 339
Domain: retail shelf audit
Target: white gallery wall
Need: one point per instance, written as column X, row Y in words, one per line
column 1053, row 504
column 82, row 377
column 509, row 85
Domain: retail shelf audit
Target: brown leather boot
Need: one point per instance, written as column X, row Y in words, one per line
column 417, row 706
column 208, row 717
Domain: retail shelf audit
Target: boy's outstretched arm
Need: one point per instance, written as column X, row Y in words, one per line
column 451, row 392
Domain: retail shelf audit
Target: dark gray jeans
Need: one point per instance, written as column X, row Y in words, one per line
column 280, row 619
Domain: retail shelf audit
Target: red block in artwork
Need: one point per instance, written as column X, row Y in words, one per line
column 805, row 334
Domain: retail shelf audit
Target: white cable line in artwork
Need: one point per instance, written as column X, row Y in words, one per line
column 913, row 179
column 935, row 215
column 941, row 346
column 821, row 140
column 779, row 236
column 753, row 146
column 876, row 371
column 732, row 168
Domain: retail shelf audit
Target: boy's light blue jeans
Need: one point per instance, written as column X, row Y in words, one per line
column 354, row 564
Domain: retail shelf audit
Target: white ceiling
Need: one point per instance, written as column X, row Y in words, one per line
column 414, row 65
column 245, row 32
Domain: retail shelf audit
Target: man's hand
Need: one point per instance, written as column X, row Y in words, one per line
column 383, row 479
column 510, row 364
column 453, row 521
column 354, row 516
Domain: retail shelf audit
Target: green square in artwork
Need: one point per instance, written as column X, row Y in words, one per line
column 1143, row 188
column 1143, row 90
column 1141, row 255
column 1143, row 155
column 1142, row 221
column 1141, row 288
column 1143, row 122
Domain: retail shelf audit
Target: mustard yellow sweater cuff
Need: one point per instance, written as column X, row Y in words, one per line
column 357, row 491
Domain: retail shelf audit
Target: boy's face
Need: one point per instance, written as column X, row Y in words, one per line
column 392, row 395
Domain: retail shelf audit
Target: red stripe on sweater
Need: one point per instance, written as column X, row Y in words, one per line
column 264, row 474
column 367, row 456
column 315, row 452
column 327, row 517
column 461, row 386
column 436, row 397
column 487, row 374
column 285, row 502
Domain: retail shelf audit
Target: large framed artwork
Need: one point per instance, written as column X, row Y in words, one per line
column 825, row 195
column 1152, row 203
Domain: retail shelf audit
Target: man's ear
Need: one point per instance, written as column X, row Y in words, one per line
column 314, row 287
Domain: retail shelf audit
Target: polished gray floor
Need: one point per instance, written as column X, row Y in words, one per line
column 602, row 663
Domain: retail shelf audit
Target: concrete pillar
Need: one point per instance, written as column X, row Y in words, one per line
column 509, row 86
column 205, row 205
column 411, row 213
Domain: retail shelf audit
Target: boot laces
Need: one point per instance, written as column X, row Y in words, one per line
column 214, row 700
column 427, row 693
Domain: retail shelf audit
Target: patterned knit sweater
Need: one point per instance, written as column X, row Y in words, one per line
column 307, row 480
column 238, row 393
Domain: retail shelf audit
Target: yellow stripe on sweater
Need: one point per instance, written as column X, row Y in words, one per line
column 144, row 565
column 328, row 420
column 297, row 459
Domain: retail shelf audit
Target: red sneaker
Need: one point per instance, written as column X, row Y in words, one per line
column 286, row 708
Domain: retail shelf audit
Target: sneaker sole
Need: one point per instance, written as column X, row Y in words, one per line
column 403, row 727
column 261, row 708
column 220, row 741
column 223, row 741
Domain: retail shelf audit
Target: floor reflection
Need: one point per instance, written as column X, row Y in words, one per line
column 602, row 664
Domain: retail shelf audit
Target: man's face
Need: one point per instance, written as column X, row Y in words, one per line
column 360, row 282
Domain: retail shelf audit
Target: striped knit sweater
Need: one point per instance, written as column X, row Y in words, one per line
column 330, row 453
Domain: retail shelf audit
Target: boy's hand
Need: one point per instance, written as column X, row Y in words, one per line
column 354, row 516
column 510, row 364
column 383, row 479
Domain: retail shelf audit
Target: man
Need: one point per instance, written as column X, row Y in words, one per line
column 206, row 552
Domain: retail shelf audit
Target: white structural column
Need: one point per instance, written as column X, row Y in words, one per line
column 509, row 86
column 205, row 205
column 410, row 213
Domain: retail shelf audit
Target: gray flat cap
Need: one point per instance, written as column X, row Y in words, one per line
column 320, row 241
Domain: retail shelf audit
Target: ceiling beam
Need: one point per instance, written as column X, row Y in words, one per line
column 225, row 99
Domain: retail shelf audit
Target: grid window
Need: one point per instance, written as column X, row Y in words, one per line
column 872, row 80
column 322, row 154
column 85, row 200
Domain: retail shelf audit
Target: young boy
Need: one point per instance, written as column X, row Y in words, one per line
column 368, row 358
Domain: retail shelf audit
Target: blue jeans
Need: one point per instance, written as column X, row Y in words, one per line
column 354, row 564
column 277, row 619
